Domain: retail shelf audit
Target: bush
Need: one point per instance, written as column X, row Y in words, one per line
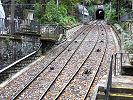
column 67, row 21
column 128, row 45
column 110, row 14
column 62, row 10
column 22, row 1
column 38, row 12
column 91, row 10
column 128, row 42
column 53, row 14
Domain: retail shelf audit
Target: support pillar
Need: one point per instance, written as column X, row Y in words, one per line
column 12, row 16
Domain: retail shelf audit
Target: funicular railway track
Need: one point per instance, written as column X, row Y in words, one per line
column 14, row 88
column 72, row 73
column 59, row 60
column 82, row 79
column 103, row 69
column 97, row 72
column 71, row 70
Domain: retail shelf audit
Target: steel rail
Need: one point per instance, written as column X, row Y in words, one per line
column 91, row 83
column 32, row 80
column 64, row 66
column 77, row 71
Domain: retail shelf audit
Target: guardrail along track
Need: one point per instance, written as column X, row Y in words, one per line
column 55, row 64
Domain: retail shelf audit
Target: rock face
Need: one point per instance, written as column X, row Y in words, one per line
column 16, row 47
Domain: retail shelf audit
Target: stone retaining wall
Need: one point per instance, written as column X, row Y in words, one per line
column 15, row 47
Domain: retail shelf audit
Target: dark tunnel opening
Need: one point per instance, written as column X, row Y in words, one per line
column 100, row 14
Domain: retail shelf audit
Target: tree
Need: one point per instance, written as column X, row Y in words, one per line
column 23, row 1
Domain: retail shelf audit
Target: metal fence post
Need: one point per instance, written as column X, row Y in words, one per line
column 121, row 61
column 115, row 64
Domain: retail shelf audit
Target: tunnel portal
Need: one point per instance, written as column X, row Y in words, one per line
column 100, row 14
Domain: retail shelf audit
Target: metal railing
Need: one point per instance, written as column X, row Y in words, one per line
column 109, row 79
column 51, row 30
column 116, row 60
column 19, row 26
column 122, row 59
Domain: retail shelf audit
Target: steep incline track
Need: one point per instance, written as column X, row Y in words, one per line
column 72, row 68
column 80, row 82
column 45, row 77
column 71, row 72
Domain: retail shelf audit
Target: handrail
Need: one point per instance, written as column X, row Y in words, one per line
column 115, row 57
column 109, row 80
column 18, row 61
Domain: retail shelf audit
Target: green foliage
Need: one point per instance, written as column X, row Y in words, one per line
column 91, row 10
column 53, row 14
column 128, row 42
column 69, row 2
column 70, row 6
column 122, row 11
column 110, row 14
column 126, row 39
column 38, row 12
column 97, row 1
column 67, row 21
column 128, row 45
column 62, row 10
column 124, row 25
column 22, row 1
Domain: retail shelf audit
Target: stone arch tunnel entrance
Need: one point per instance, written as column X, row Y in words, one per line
column 100, row 14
